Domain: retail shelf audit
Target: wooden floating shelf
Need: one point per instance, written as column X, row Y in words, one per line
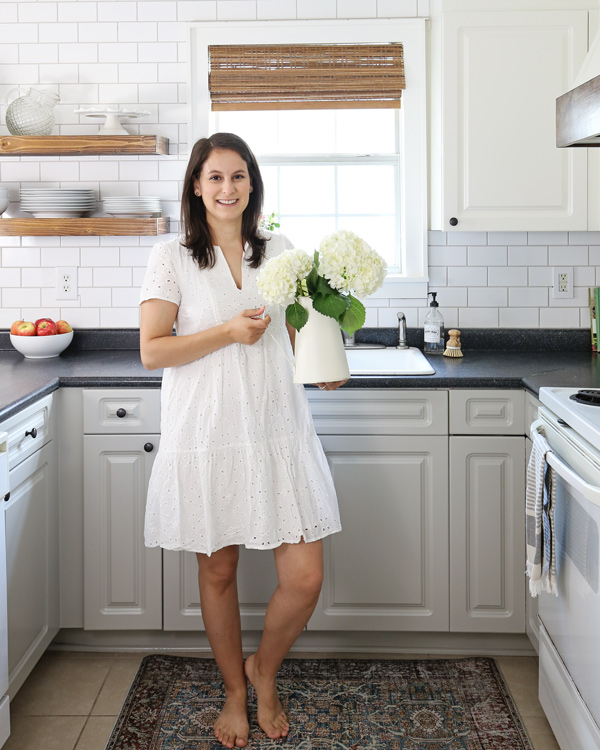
column 80, row 227
column 82, row 145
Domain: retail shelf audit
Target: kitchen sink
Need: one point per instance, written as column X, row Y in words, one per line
column 388, row 361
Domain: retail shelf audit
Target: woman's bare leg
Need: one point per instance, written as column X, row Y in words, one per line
column 221, row 614
column 300, row 576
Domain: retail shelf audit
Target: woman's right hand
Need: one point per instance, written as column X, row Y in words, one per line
column 247, row 327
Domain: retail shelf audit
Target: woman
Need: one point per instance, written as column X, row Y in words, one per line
column 239, row 460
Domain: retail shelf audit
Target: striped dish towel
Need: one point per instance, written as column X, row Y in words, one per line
column 539, row 519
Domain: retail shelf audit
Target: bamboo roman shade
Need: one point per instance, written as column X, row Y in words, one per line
column 306, row 76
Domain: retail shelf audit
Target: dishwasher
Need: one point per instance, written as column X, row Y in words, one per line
column 4, row 699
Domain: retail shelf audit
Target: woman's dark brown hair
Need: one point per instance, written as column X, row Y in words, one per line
column 196, row 232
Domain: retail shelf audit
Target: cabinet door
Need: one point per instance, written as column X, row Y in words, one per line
column 31, row 517
column 487, row 534
column 122, row 577
column 388, row 568
column 501, row 75
column 257, row 579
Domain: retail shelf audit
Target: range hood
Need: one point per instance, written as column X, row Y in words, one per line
column 578, row 111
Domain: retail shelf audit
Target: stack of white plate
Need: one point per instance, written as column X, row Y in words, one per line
column 132, row 206
column 46, row 203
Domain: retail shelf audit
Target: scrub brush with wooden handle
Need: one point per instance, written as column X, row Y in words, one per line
column 453, row 346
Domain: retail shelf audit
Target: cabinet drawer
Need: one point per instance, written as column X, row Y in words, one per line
column 35, row 419
column 380, row 412
column 532, row 404
column 484, row 412
column 121, row 411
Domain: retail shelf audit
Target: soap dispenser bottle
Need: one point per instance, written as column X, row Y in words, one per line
column 434, row 328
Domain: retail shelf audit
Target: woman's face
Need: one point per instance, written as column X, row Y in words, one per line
column 224, row 186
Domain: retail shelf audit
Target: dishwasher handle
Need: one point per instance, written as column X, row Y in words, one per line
column 589, row 491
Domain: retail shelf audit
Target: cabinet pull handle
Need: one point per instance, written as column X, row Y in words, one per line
column 32, row 432
column 453, row 221
column 148, row 447
column 121, row 412
column 7, row 497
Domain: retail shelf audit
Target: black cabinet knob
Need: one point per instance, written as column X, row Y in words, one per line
column 121, row 413
column 32, row 432
column 148, row 447
column 453, row 221
column 7, row 497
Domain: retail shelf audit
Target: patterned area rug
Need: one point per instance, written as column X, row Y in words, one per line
column 332, row 704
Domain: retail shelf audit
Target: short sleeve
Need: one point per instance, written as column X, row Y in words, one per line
column 160, row 281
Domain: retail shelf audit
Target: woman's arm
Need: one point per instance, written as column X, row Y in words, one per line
column 158, row 348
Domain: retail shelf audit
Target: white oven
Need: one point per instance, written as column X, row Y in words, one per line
column 569, row 653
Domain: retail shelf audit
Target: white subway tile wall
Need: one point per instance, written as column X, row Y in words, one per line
column 133, row 54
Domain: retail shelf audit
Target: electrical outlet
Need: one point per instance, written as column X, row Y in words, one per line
column 66, row 283
column 562, row 283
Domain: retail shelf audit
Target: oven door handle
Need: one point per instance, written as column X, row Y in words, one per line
column 589, row 491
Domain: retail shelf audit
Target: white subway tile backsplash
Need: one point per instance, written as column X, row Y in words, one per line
column 61, row 73
column 138, row 73
column 451, row 296
column 176, row 31
column 507, row 238
column 467, row 238
column 540, row 276
column 78, row 53
column 273, row 9
column 486, row 297
column 236, row 10
column 146, row 31
column 447, row 256
column 172, row 72
column 117, row 93
column 109, row 256
column 436, row 238
column 584, row 276
column 98, row 32
column 487, row 256
column 518, row 317
column 138, row 170
column 197, row 10
column 396, row 8
column 77, row 11
column 528, row 296
column 60, row 256
column 119, row 317
column 134, row 256
column 84, row 317
column 157, row 52
column 95, row 296
column 61, row 33
column 125, row 297
column 528, row 256
column 9, row 53
column 463, row 276
column 314, row 9
column 37, row 277
column 10, row 277
column 117, row 52
column 38, row 53
column 153, row 11
column 41, row 12
column 356, row 8
column 498, row 276
column 85, row 276
column 20, row 297
column 161, row 93
column 584, row 238
column 552, row 317
column 568, row 256
column 112, row 276
column 438, row 276
column 478, row 317
column 27, row 74
column 117, row 11
column 66, row 171
column 19, row 171
column 547, row 238
column 99, row 73
column 21, row 33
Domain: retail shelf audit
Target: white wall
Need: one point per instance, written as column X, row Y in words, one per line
column 133, row 54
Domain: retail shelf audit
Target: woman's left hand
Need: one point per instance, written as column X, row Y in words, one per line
column 331, row 386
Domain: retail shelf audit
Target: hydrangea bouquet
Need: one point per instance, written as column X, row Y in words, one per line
column 343, row 265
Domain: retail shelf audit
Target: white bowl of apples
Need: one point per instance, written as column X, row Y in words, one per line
column 42, row 339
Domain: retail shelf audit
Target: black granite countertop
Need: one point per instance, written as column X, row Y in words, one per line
column 23, row 381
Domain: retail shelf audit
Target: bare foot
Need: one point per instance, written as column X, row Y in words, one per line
column 231, row 728
column 270, row 714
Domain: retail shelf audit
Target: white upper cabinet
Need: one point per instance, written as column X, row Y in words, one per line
column 495, row 165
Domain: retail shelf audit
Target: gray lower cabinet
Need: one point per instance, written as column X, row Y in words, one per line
column 31, row 521
column 487, row 533
column 122, row 577
column 388, row 568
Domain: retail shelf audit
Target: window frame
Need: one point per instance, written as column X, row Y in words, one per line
column 413, row 114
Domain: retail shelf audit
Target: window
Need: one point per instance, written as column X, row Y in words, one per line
column 358, row 169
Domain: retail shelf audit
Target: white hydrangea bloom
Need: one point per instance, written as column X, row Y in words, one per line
column 350, row 264
column 278, row 280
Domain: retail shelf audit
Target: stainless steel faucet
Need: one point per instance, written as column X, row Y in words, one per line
column 402, row 331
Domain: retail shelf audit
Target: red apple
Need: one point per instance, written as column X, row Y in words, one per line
column 63, row 327
column 37, row 322
column 24, row 328
column 15, row 327
column 46, row 328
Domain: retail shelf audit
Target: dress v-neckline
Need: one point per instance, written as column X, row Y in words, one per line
column 229, row 271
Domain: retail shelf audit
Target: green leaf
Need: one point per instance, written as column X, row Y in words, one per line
column 354, row 317
column 333, row 305
column 312, row 281
column 296, row 315
column 324, row 288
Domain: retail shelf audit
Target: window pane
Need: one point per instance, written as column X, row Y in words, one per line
column 270, row 177
column 316, row 131
column 308, row 231
column 366, row 189
column 307, row 189
column 378, row 231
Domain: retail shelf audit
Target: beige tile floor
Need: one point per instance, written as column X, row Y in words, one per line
column 71, row 700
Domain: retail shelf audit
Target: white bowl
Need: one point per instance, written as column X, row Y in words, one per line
column 41, row 347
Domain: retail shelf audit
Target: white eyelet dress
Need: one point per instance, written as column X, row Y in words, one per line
column 239, row 459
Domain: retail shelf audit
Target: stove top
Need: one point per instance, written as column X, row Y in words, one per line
column 578, row 407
